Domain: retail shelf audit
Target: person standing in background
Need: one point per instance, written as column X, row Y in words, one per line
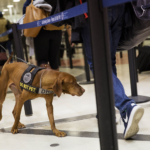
column 3, row 28
column 47, row 43
column 10, row 36
column 3, row 40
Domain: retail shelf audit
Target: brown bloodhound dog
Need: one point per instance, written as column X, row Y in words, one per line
column 58, row 82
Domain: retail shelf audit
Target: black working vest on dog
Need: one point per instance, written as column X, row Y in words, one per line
column 27, row 79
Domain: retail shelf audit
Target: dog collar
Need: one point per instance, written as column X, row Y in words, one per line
column 27, row 79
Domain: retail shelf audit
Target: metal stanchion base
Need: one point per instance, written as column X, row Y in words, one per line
column 28, row 108
column 140, row 99
column 86, row 82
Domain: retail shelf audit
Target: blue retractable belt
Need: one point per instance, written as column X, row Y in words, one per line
column 67, row 14
column 6, row 33
column 108, row 3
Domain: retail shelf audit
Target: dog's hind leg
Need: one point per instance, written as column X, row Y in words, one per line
column 17, row 94
column 3, row 89
column 49, row 99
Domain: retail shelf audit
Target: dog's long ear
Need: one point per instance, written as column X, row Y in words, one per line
column 57, row 87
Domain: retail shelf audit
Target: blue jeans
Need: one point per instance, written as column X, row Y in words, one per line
column 9, row 46
column 116, row 20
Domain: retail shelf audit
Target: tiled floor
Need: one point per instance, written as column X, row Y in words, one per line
column 75, row 116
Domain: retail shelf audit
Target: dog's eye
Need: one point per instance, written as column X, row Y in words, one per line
column 71, row 82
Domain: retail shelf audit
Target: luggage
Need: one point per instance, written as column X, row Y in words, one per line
column 143, row 59
column 3, row 58
column 137, row 27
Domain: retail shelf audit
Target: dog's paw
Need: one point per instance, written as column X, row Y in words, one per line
column 59, row 133
column 14, row 131
column 20, row 125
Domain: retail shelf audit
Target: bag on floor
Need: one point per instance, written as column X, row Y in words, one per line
column 143, row 59
column 137, row 28
column 3, row 58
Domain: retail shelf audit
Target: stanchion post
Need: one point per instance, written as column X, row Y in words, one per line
column 69, row 49
column 19, row 53
column 87, row 72
column 120, row 54
column 103, row 75
column 133, row 78
column 70, row 57
column 25, row 47
column 132, row 69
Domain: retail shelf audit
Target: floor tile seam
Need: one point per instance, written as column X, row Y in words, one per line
column 58, row 121
column 80, row 134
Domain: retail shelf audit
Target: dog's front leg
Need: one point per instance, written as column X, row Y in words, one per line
column 17, row 116
column 17, row 94
column 51, row 117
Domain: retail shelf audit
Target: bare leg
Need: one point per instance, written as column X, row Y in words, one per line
column 51, row 117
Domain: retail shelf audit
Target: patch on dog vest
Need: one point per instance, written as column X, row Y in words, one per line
column 27, row 79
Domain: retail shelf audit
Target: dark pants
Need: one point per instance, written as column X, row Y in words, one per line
column 47, row 45
column 4, row 44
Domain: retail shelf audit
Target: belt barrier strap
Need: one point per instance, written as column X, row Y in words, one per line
column 108, row 3
column 5, row 33
column 67, row 14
